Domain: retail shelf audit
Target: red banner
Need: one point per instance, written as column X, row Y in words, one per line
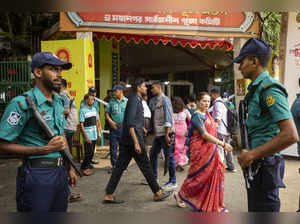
column 194, row 21
column 212, row 44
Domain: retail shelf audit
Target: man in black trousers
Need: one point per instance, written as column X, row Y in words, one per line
column 133, row 146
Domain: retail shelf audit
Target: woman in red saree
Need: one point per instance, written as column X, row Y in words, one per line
column 203, row 189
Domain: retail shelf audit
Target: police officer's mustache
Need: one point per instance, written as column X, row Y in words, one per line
column 57, row 80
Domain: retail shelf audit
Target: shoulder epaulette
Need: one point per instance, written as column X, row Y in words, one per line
column 268, row 85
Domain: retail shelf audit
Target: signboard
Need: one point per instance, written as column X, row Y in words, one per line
column 81, row 54
column 292, row 64
column 200, row 21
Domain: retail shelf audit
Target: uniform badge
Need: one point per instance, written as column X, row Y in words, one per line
column 14, row 118
column 47, row 118
column 270, row 101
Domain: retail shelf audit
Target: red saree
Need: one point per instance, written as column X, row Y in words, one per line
column 203, row 189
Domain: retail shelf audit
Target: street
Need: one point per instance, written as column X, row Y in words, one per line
column 139, row 197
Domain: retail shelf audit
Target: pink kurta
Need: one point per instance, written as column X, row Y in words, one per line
column 180, row 126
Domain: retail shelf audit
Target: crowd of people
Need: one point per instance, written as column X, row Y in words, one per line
column 195, row 134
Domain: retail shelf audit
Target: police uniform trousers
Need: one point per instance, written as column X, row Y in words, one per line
column 42, row 189
column 127, row 152
column 263, row 196
column 114, row 139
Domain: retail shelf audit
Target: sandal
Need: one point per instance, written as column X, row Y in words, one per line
column 179, row 168
column 164, row 195
column 73, row 197
column 179, row 202
column 114, row 201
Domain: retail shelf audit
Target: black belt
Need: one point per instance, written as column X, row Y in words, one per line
column 45, row 162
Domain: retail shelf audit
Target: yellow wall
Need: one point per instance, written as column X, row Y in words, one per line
column 82, row 74
column 105, row 69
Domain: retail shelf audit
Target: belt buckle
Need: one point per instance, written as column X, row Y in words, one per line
column 59, row 161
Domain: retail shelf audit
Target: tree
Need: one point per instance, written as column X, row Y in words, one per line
column 20, row 29
column 270, row 23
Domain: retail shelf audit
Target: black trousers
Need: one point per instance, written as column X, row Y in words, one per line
column 89, row 149
column 142, row 160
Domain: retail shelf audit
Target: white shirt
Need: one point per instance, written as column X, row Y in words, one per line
column 219, row 112
column 147, row 112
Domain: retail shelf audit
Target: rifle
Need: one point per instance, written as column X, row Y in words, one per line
column 101, row 101
column 49, row 133
column 248, row 174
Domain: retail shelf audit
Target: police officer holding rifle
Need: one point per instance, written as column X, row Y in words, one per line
column 269, row 125
column 43, row 178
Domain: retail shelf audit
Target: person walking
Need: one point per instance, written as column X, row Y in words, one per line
column 133, row 146
column 114, row 114
column 147, row 115
column 270, row 127
column 42, row 179
column 161, row 108
column 182, row 118
column 219, row 114
column 203, row 189
column 91, row 131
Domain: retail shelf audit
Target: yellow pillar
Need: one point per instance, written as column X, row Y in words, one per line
column 109, row 68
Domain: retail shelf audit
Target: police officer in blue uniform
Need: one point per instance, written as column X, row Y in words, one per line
column 270, row 127
column 42, row 181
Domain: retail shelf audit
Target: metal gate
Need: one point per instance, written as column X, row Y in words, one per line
column 15, row 78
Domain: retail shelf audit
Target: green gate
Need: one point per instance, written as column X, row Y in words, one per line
column 15, row 79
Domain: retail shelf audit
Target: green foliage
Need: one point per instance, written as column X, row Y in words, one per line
column 19, row 29
column 270, row 28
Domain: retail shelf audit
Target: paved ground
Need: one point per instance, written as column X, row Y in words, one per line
column 139, row 197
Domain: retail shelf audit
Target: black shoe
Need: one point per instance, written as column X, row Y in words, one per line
column 114, row 201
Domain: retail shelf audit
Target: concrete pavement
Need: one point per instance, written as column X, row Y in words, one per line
column 139, row 197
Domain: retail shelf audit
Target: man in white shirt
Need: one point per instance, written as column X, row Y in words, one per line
column 219, row 114
column 147, row 115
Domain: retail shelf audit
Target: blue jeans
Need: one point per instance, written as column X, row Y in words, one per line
column 42, row 189
column 114, row 139
column 158, row 144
